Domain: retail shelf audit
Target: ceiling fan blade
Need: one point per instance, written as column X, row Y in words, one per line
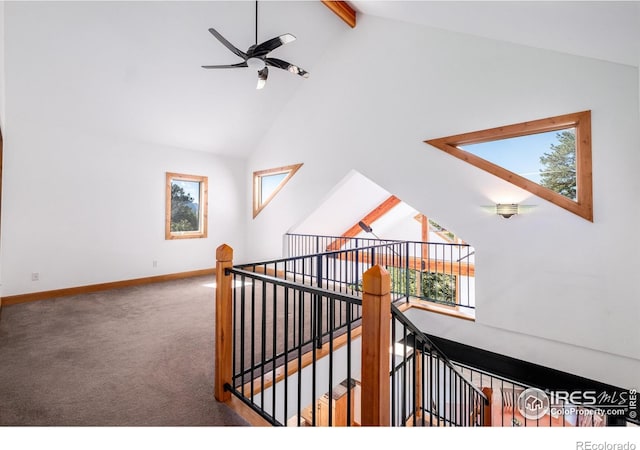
column 280, row 64
column 262, row 77
column 272, row 44
column 227, row 66
column 228, row 44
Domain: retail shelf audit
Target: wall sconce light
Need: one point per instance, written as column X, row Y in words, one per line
column 506, row 210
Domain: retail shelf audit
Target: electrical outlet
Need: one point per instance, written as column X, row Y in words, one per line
column 35, row 276
column 155, row 263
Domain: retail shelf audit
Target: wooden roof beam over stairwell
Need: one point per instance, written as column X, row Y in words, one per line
column 342, row 10
column 373, row 215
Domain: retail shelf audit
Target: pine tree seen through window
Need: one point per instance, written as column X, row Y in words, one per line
column 547, row 159
column 186, row 207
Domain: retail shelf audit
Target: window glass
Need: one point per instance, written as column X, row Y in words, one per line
column 186, row 209
column 547, row 159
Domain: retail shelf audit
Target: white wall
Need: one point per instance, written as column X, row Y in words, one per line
column 82, row 209
column 388, row 86
column 2, row 67
column 2, row 115
column 84, row 202
column 353, row 198
column 600, row 366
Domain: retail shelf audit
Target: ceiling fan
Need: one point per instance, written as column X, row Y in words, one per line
column 257, row 56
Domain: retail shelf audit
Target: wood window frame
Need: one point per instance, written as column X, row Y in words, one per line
column 581, row 121
column 259, row 205
column 203, row 205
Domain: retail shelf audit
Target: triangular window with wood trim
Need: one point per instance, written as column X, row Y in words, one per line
column 267, row 183
column 550, row 157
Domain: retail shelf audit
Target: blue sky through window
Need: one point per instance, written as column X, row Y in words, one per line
column 520, row 155
column 269, row 183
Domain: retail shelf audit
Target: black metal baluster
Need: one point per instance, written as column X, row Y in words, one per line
column 242, row 328
column 319, row 302
column 275, row 357
column 415, row 380
column 295, row 329
column 253, row 334
column 406, row 269
column 432, row 383
column 263, row 344
column 286, row 353
column 439, row 408
column 234, row 339
column 393, row 373
column 314, row 311
column 423, row 384
column 403, row 402
column 331, row 318
column 349, row 411
column 356, row 279
column 451, row 404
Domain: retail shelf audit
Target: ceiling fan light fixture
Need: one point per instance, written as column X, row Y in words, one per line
column 256, row 63
column 286, row 38
column 262, row 78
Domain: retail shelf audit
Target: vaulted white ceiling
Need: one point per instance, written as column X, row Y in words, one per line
column 132, row 69
column 607, row 30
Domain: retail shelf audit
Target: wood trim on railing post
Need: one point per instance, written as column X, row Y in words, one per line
column 417, row 399
column 486, row 410
column 224, row 323
column 376, row 344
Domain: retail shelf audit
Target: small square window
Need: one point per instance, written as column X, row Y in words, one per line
column 186, row 206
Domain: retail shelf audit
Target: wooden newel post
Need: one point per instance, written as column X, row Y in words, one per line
column 224, row 323
column 376, row 342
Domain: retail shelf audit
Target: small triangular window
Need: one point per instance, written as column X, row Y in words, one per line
column 267, row 183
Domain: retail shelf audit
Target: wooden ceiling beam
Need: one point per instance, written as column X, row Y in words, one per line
column 342, row 10
column 374, row 215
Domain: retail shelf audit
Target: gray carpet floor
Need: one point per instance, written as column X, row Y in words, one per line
column 140, row 356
